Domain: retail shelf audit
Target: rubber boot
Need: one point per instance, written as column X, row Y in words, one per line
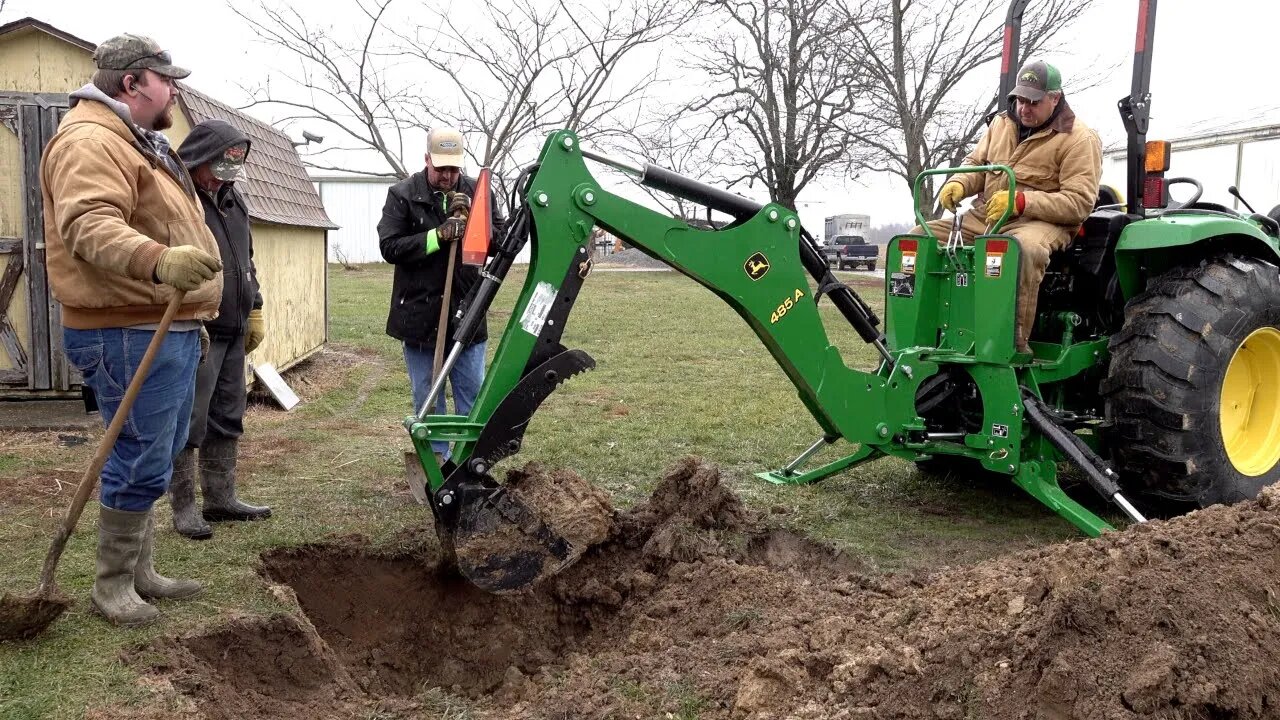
column 151, row 584
column 218, row 481
column 121, row 535
column 182, row 496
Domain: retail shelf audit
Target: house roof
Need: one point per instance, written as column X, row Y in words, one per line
column 275, row 184
column 30, row 22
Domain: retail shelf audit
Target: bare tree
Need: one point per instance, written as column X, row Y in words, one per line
column 541, row 70
column 783, row 91
column 337, row 81
column 917, row 54
column 520, row 69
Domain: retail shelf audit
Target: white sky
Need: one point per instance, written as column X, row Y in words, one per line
column 1212, row 66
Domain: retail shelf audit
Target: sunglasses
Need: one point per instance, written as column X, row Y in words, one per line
column 163, row 56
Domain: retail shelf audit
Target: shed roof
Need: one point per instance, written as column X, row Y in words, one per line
column 30, row 22
column 275, row 184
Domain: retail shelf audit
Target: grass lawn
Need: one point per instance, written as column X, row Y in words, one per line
column 677, row 373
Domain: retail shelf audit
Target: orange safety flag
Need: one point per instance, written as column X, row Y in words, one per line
column 475, row 243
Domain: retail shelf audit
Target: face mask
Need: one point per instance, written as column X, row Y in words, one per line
column 229, row 166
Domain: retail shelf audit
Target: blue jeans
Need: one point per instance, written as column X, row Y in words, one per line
column 465, row 378
column 141, row 462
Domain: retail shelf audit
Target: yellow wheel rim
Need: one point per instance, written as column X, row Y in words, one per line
column 1250, row 412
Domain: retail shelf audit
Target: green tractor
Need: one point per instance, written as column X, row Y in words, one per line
column 1156, row 348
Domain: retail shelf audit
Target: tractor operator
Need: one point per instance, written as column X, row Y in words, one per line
column 1057, row 161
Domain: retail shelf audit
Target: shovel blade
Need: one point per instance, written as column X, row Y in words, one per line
column 25, row 616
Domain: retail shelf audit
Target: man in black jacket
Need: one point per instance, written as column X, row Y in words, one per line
column 417, row 232
column 214, row 153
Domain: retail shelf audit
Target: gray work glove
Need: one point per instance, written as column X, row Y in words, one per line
column 204, row 344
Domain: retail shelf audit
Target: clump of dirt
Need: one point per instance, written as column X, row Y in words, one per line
column 695, row 607
column 567, row 516
column 278, row 666
column 572, row 507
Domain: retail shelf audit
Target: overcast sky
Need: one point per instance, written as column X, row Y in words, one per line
column 1213, row 67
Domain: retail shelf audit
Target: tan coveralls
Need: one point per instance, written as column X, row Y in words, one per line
column 1058, row 170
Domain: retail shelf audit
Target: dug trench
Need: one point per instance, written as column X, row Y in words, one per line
column 695, row 607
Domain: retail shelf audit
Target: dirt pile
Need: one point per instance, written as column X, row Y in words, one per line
column 695, row 608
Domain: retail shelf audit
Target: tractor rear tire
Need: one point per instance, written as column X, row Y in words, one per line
column 1193, row 390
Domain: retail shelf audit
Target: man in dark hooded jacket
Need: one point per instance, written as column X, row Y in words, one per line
column 215, row 153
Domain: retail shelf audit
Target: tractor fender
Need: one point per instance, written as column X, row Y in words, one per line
column 1148, row 248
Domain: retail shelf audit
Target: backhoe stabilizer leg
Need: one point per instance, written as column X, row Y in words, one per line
column 784, row 477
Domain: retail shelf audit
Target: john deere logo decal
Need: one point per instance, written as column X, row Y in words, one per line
column 756, row 266
column 1029, row 76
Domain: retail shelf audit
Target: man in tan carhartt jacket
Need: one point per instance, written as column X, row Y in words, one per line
column 1057, row 161
column 123, row 229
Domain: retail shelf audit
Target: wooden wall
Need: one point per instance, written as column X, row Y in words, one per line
column 12, row 226
column 293, row 275
column 36, row 62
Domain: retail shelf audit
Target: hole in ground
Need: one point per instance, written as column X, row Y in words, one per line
column 380, row 625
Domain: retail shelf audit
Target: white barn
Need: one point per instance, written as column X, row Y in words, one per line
column 1248, row 158
column 354, row 204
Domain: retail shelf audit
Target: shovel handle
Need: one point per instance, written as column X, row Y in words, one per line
column 445, row 299
column 90, row 479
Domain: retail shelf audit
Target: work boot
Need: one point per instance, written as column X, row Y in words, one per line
column 182, row 496
column 121, row 535
column 151, row 584
column 218, row 481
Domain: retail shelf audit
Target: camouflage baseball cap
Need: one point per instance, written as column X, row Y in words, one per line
column 135, row 52
column 1035, row 79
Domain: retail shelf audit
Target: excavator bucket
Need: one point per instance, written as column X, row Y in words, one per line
column 508, row 537
column 502, row 544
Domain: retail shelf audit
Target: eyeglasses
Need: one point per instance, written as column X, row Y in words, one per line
column 1035, row 103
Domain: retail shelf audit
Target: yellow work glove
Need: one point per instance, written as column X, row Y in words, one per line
column 256, row 331
column 186, row 267
column 999, row 202
column 951, row 195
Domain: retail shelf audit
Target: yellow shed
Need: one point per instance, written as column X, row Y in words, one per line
column 39, row 66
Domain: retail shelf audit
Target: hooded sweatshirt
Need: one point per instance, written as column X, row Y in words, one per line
column 115, row 200
column 227, row 215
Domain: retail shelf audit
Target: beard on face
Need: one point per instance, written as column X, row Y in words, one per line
column 164, row 120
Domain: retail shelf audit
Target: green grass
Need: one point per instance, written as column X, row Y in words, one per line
column 677, row 373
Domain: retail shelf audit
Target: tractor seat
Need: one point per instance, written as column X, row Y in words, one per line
column 1097, row 236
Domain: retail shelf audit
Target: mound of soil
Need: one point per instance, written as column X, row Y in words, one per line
column 695, row 607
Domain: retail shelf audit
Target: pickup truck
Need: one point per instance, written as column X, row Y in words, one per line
column 850, row 251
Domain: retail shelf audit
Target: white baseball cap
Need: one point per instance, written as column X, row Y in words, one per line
column 446, row 148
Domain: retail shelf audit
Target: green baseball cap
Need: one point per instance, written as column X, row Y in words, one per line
column 1035, row 79
column 135, row 52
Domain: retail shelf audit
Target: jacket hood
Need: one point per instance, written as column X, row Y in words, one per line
column 207, row 142
column 91, row 92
